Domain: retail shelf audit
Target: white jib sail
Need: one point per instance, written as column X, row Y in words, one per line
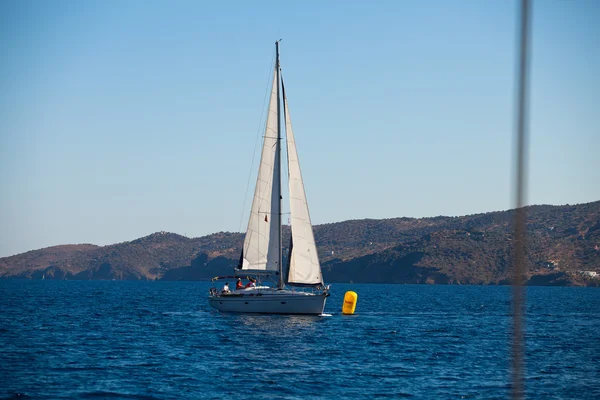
column 304, row 261
column 261, row 245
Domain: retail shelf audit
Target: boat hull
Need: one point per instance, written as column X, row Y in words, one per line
column 270, row 303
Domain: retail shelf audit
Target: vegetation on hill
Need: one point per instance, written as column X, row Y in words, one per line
column 562, row 242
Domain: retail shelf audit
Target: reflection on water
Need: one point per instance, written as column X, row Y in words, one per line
column 273, row 325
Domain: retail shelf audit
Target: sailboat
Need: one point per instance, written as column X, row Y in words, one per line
column 298, row 288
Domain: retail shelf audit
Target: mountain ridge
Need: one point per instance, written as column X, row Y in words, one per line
column 563, row 241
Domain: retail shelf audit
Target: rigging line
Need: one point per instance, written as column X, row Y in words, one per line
column 518, row 347
column 260, row 124
column 286, row 164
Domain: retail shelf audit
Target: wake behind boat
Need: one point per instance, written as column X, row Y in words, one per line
column 302, row 290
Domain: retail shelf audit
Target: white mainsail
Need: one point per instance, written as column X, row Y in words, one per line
column 261, row 245
column 304, row 268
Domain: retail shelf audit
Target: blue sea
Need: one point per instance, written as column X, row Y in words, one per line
column 160, row 340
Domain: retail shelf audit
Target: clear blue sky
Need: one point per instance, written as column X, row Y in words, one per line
column 122, row 118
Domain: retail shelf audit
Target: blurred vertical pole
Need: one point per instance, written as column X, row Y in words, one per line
column 518, row 347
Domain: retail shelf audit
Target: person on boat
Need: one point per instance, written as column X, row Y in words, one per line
column 226, row 288
column 252, row 283
column 239, row 285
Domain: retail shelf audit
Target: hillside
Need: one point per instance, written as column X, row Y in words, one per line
column 475, row 249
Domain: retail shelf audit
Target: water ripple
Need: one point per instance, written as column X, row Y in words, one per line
column 147, row 340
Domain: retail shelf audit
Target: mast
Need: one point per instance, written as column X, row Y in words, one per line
column 278, row 158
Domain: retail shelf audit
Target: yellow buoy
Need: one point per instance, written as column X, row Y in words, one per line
column 350, row 299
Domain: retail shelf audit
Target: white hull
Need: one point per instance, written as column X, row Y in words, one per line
column 269, row 302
